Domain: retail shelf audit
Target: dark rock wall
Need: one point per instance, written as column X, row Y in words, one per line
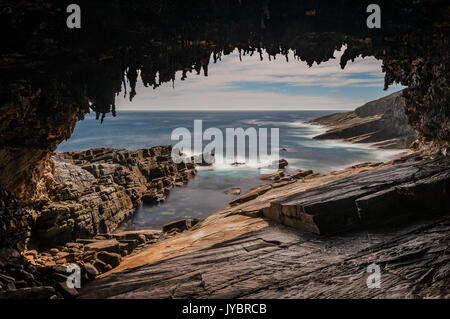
column 33, row 122
column 14, row 222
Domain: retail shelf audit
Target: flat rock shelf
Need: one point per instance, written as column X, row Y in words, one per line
column 279, row 262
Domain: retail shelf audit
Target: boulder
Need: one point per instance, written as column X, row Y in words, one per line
column 233, row 191
column 108, row 258
column 273, row 177
column 66, row 291
column 101, row 266
column 90, row 270
column 53, row 251
column 180, row 225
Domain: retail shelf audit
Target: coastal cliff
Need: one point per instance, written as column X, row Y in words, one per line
column 86, row 193
column 382, row 123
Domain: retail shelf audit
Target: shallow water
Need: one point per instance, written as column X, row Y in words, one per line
column 205, row 193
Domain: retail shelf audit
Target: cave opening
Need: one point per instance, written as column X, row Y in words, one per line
column 87, row 169
column 242, row 89
column 51, row 79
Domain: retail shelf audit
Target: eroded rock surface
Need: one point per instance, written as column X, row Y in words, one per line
column 239, row 253
column 279, row 262
column 89, row 192
column 409, row 187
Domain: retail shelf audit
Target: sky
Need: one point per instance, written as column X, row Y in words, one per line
column 252, row 84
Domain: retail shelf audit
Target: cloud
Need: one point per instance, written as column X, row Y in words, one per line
column 252, row 84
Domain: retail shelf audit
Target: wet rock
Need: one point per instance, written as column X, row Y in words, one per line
column 153, row 197
column 205, row 159
column 302, row 174
column 273, row 176
column 233, row 191
column 280, row 164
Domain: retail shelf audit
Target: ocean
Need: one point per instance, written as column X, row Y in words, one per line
column 205, row 193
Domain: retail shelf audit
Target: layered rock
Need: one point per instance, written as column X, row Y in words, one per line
column 279, row 262
column 402, row 191
column 15, row 222
column 382, row 123
column 90, row 192
column 237, row 253
column 43, row 274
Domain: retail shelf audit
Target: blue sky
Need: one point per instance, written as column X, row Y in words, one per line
column 252, row 84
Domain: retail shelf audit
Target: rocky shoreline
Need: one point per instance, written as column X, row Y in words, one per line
column 82, row 198
column 346, row 200
column 100, row 188
column 44, row 274
column 86, row 193
column 381, row 123
column 240, row 252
